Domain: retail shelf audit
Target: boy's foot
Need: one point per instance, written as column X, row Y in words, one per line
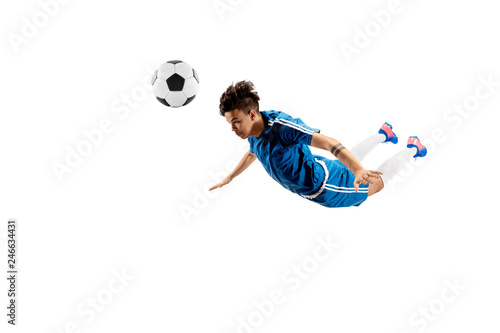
column 414, row 141
column 390, row 136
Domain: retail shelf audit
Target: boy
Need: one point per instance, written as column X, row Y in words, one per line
column 281, row 143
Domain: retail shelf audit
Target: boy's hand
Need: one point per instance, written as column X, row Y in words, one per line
column 365, row 177
column 225, row 181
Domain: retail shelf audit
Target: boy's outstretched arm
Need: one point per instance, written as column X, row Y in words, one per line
column 245, row 162
column 336, row 148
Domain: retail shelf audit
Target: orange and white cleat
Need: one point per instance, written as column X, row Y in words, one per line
column 414, row 142
column 390, row 136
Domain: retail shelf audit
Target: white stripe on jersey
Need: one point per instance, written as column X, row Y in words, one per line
column 341, row 188
column 344, row 189
column 293, row 125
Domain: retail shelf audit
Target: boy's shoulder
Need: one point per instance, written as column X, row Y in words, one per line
column 273, row 114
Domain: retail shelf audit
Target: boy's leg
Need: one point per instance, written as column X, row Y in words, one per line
column 384, row 134
column 395, row 164
column 376, row 186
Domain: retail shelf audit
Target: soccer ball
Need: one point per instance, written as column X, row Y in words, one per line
column 175, row 83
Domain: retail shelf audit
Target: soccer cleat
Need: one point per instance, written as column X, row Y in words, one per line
column 390, row 136
column 414, row 142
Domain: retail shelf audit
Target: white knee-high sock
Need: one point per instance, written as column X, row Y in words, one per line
column 395, row 164
column 364, row 147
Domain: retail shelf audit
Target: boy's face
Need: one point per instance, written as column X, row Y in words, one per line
column 241, row 122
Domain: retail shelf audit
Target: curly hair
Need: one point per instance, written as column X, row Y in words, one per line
column 239, row 96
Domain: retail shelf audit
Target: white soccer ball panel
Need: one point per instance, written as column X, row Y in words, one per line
column 160, row 88
column 190, row 87
column 166, row 70
column 176, row 98
column 184, row 70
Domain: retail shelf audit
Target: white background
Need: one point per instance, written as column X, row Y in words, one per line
column 119, row 210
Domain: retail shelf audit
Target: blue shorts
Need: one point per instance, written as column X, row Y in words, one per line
column 339, row 188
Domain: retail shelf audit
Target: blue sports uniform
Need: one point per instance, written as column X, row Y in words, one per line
column 283, row 150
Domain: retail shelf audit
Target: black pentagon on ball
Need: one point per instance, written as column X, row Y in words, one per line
column 162, row 101
column 174, row 61
column 175, row 82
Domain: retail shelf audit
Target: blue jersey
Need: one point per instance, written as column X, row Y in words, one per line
column 283, row 150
